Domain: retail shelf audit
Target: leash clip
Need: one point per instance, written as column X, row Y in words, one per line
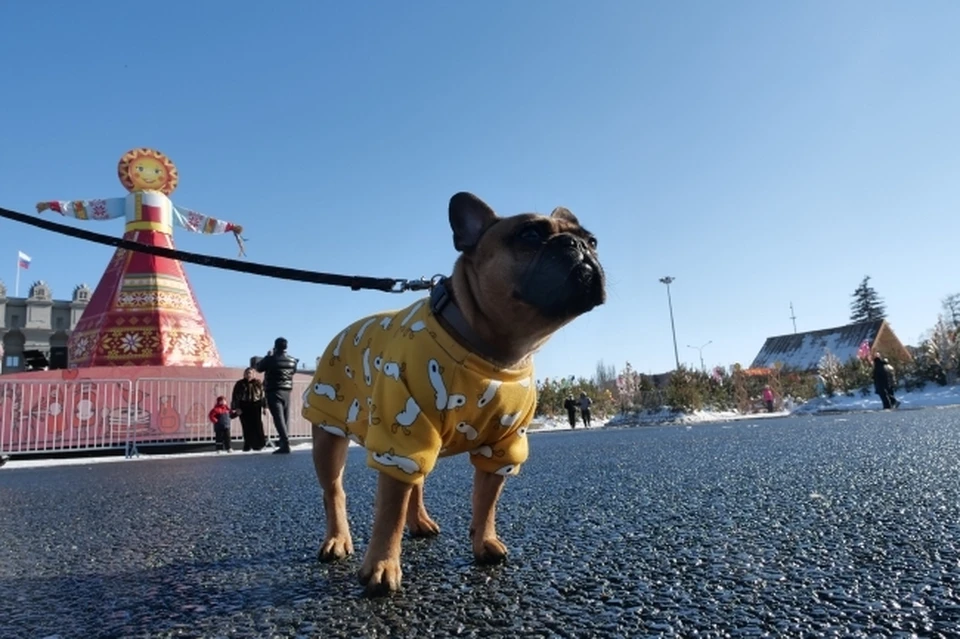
column 422, row 284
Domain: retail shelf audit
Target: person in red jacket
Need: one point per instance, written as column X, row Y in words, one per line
column 220, row 416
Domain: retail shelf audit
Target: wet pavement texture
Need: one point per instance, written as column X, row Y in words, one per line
column 800, row 527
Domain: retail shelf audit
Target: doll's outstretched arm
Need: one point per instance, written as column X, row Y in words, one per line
column 108, row 209
column 199, row 223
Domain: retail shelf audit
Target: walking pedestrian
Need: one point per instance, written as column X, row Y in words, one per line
column 571, row 405
column 585, row 403
column 883, row 382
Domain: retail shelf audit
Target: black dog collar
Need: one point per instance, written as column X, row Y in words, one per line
column 443, row 306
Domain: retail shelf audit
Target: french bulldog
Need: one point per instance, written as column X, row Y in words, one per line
column 452, row 373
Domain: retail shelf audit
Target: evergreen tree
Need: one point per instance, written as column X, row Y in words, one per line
column 866, row 305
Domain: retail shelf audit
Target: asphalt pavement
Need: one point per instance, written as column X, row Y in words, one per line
column 797, row 527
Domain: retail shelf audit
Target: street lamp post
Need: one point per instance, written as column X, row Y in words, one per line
column 700, row 348
column 669, row 280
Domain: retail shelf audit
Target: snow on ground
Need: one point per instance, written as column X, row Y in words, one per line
column 541, row 424
column 931, row 396
column 666, row 416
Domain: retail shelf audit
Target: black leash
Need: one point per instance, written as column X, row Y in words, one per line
column 354, row 282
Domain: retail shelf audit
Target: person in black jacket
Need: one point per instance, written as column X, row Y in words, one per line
column 883, row 382
column 571, row 405
column 278, row 368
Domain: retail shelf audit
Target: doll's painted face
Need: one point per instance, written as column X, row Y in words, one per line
column 148, row 174
column 147, row 170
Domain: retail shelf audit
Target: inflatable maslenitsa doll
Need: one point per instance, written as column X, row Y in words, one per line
column 143, row 311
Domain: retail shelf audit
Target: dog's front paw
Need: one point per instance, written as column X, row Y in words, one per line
column 381, row 577
column 335, row 548
column 489, row 551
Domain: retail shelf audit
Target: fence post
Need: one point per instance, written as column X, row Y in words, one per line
column 131, row 444
column 6, row 430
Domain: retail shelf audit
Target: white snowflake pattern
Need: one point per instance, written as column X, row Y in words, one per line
column 188, row 344
column 81, row 346
column 130, row 343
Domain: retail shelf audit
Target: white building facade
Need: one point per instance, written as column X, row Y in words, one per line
column 38, row 323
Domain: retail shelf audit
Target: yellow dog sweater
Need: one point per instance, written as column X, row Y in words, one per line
column 398, row 384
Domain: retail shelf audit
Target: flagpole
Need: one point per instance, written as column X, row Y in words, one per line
column 17, row 293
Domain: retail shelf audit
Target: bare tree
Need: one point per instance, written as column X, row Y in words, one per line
column 951, row 310
column 606, row 376
column 944, row 349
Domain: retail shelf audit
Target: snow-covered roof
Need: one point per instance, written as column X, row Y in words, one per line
column 802, row 351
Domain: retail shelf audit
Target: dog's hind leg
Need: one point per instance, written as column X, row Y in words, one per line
column 419, row 522
column 329, row 458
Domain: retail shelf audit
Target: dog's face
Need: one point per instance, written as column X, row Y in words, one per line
column 529, row 274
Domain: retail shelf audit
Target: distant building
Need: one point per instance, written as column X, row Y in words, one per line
column 38, row 323
column 802, row 351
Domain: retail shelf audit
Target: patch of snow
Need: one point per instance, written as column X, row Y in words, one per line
column 931, row 396
column 666, row 416
column 547, row 424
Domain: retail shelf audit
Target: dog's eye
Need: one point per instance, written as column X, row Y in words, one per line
column 592, row 241
column 531, row 235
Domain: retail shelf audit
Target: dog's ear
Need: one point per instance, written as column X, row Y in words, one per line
column 470, row 217
column 562, row 213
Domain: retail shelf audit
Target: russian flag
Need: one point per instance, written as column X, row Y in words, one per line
column 23, row 260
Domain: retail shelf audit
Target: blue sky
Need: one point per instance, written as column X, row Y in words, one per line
column 761, row 153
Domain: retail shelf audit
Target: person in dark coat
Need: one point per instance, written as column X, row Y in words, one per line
column 279, row 368
column 571, row 405
column 249, row 400
column 883, row 382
